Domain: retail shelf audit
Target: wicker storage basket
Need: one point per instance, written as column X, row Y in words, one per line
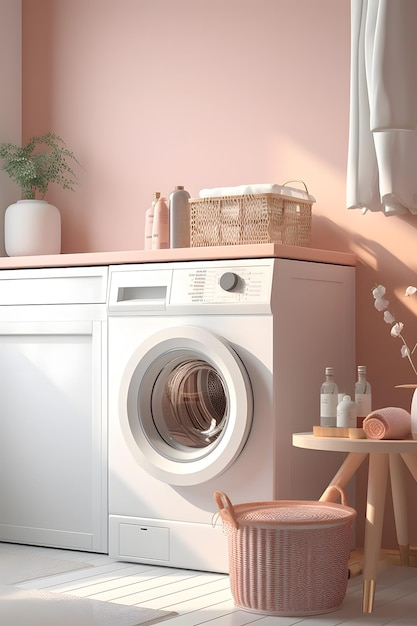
column 287, row 557
column 248, row 219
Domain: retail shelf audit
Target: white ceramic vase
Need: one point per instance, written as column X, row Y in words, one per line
column 32, row 227
column 414, row 415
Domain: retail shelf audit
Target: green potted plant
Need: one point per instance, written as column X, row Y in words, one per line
column 32, row 225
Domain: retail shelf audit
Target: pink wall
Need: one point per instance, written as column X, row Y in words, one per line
column 11, row 94
column 154, row 93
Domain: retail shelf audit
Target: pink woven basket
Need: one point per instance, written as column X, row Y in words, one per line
column 287, row 557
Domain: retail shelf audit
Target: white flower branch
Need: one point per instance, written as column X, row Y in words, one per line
column 381, row 304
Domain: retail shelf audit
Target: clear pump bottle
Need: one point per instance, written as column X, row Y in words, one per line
column 363, row 396
column 328, row 399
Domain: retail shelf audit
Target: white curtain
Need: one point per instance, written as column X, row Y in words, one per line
column 382, row 155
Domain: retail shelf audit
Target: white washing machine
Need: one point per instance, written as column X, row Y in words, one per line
column 212, row 366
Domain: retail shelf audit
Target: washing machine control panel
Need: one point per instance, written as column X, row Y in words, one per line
column 222, row 285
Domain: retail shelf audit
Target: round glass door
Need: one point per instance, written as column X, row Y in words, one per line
column 189, row 404
column 186, row 405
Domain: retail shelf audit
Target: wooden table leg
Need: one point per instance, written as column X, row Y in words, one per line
column 377, row 486
column 411, row 462
column 399, row 500
column 348, row 468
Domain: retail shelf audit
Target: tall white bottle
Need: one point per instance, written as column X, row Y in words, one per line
column 363, row 395
column 179, row 218
column 149, row 214
column 160, row 226
column 328, row 399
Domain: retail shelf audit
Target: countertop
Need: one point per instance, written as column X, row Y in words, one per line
column 263, row 250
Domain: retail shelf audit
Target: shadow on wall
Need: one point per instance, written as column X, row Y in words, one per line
column 375, row 347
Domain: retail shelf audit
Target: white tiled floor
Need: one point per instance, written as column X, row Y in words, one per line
column 204, row 598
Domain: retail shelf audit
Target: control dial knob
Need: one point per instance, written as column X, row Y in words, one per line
column 228, row 281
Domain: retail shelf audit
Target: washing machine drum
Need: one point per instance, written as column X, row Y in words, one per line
column 186, row 405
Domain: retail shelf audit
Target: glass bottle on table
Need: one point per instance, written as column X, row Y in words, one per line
column 328, row 399
column 363, row 396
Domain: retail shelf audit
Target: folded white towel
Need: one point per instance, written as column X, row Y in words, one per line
column 256, row 189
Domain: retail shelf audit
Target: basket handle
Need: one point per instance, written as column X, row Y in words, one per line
column 327, row 495
column 296, row 181
column 226, row 509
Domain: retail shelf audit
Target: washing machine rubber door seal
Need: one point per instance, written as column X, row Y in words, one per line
column 140, row 405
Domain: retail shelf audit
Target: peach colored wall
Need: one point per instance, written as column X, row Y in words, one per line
column 11, row 93
column 154, row 93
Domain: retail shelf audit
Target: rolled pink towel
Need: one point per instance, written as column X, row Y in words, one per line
column 389, row 423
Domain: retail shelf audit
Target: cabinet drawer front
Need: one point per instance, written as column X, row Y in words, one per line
column 79, row 285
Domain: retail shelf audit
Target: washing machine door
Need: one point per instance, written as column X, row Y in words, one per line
column 185, row 405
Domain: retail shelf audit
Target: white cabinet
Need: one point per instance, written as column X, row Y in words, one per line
column 53, row 487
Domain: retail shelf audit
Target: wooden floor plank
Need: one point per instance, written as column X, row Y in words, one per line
column 143, row 588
